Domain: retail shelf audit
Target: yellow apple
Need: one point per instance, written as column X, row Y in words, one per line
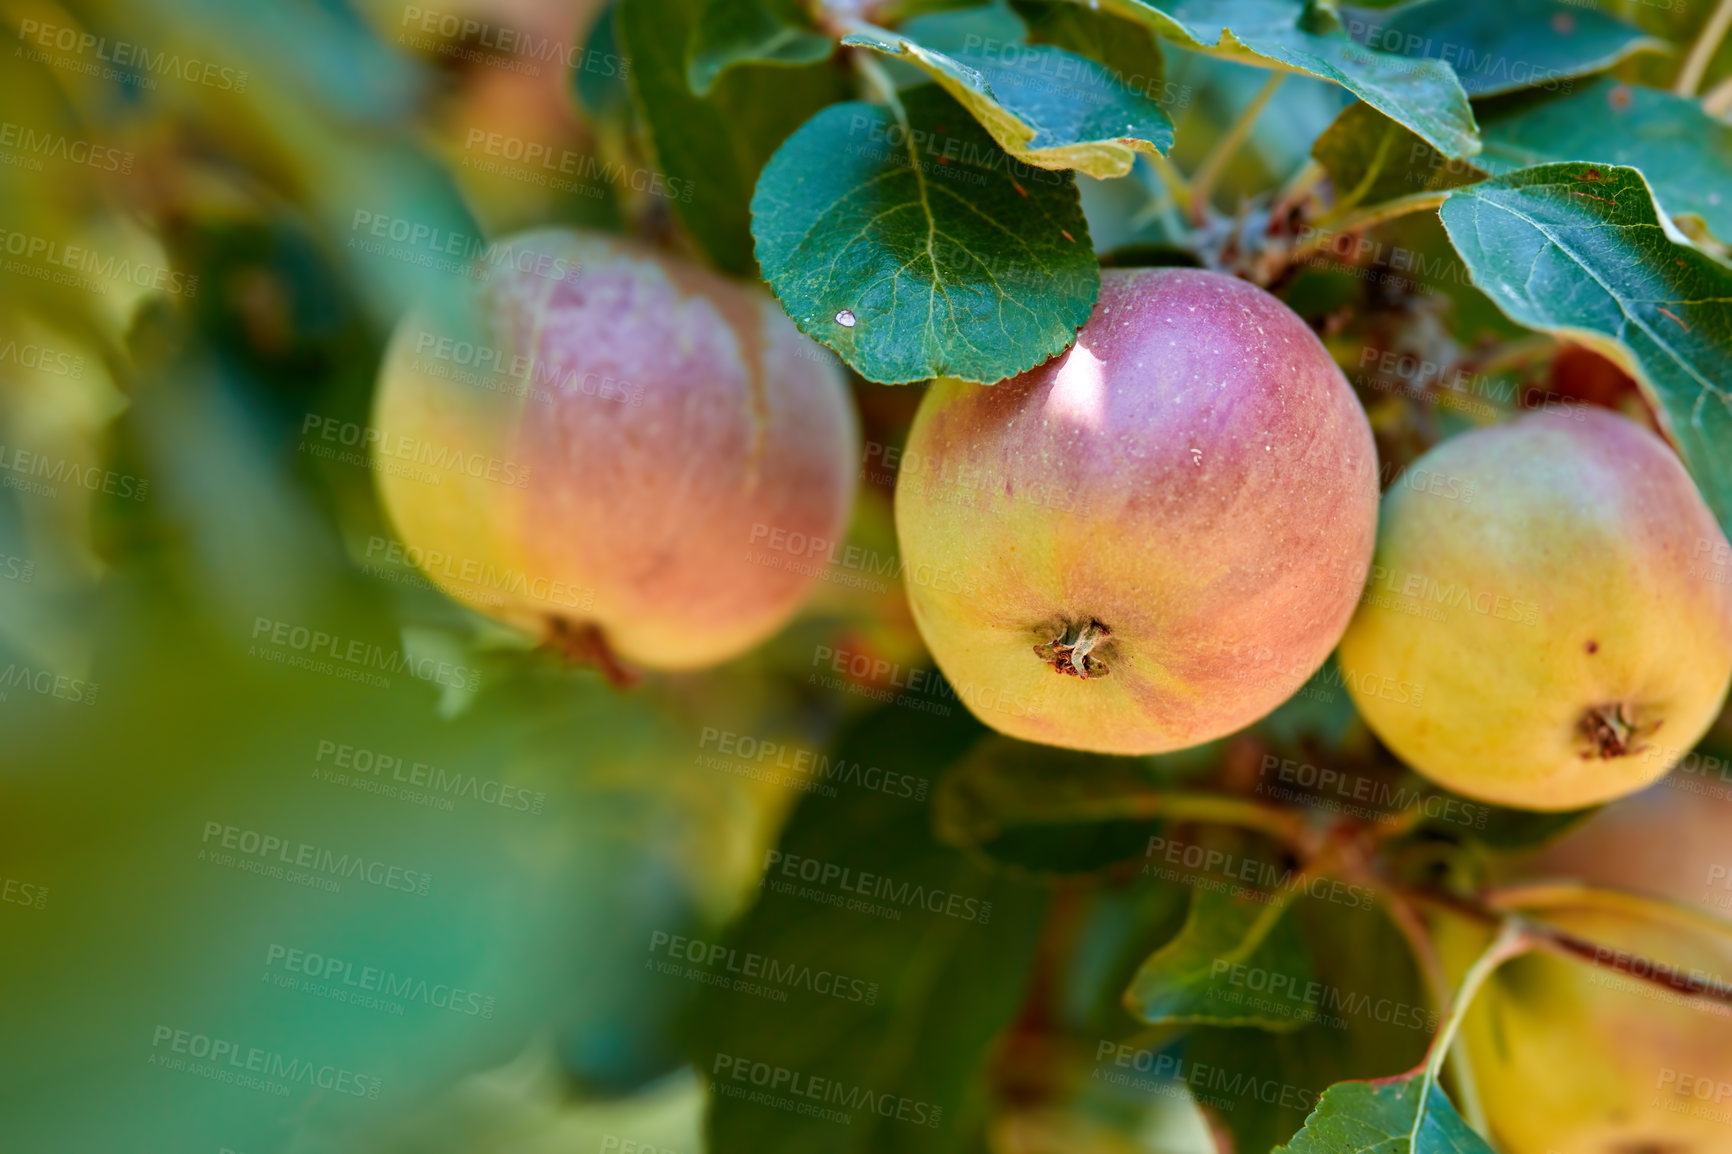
column 1542, row 616
column 1572, row 1058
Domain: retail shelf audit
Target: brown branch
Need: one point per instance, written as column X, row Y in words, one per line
column 1549, row 937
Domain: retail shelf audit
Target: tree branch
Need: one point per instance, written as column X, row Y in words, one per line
column 1562, row 942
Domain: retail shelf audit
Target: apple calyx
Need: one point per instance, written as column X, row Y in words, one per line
column 1071, row 652
column 1610, row 732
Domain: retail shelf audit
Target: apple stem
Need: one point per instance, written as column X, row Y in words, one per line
column 586, row 644
column 1610, row 731
column 1069, row 651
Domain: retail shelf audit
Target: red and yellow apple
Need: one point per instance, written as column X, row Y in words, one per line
column 1155, row 537
column 643, row 448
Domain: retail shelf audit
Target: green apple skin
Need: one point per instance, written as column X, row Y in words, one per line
column 1532, row 578
column 649, row 449
column 1194, row 475
column 1570, row 1058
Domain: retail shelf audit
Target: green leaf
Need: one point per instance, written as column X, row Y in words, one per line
column 1386, row 1117
column 864, row 892
column 1052, row 810
column 604, row 92
column 1192, row 979
column 1581, row 251
column 1503, row 46
column 1128, row 50
column 1685, row 154
column 732, row 32
column 1045, row 106
column 1005, row 784
column 1374, row 1016
column 918, row 248
column 1370, row 158
column 1423, row 95
column 960, row 28
column 713, row 147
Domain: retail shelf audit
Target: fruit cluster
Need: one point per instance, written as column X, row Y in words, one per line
column 1531, row 631
column 1546, row 644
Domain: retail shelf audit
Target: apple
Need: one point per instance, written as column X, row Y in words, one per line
column 1151, row 540
column 1571, row 1058
column 1543, row 592
column 600, row 443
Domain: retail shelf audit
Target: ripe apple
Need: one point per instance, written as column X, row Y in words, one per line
column 1540, row 589
column 597, row 437
column 1570, row 1058
column 1151, row 540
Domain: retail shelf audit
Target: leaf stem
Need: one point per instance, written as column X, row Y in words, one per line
column 1177, row 185
column 1702, row 52
column 1719, row 99
column 1372, row 171
column 1298, row 187
column 1280, row 824
column 1317, row 238
column 867, row 62
column 1512, row 939
column 1418, row 935
column 1203, row 181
